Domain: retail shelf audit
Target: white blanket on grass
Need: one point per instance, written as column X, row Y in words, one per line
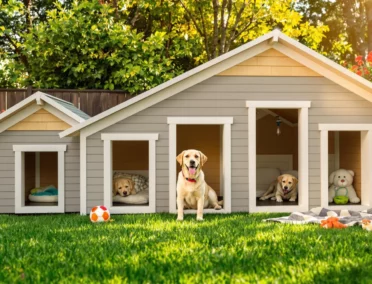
column 316, row 215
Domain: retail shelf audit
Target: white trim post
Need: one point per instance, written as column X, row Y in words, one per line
column 324, row 165
column 303, row 158
column 83, row 173
column 252, row 158
column 172, row 167
column 107, row 173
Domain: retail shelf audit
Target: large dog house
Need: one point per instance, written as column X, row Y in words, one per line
column 227, row 108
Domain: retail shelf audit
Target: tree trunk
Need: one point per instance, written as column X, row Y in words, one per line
column 368, row 4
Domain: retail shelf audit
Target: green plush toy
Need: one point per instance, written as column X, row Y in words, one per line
column 341, row 199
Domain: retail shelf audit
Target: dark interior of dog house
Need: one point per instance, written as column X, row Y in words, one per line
column 208, row 140
column 344, row 152
column 130, row 166
column 276, row 150
column 40, row 179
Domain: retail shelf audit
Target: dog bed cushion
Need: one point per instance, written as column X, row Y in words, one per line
column 43, row 198
column 139, row 198
column 140, row 182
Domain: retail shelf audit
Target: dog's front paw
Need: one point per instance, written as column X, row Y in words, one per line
column 293, row 199
column 279, row 199
column 273, row 198
column 199, row 218
column 217, row 207
column 262, row 198
column 354, row 200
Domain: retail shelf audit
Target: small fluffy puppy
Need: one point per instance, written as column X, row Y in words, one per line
column 284, row 188
column 123, row 187
column 192, row 190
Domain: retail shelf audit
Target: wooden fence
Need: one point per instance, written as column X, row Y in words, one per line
column 92, row 102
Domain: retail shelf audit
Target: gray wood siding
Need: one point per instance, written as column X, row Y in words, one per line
column 226, row 96
column 72, row 165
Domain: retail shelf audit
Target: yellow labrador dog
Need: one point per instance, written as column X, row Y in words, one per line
column 123, row 187
column 284, row 188
column 192, row 190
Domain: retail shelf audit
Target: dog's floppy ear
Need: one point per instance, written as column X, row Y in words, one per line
column 203, row 158
column 114, row 191
column 295, row 182
column 180, row 158
column 280, row 178
column 132, row 190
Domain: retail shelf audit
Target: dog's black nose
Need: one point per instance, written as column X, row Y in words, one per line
column 192, row 162
column 125, row 193
column 286, row 187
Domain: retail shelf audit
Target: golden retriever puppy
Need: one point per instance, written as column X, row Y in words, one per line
column 123, row 187
column 284, row 188
column 192, row 190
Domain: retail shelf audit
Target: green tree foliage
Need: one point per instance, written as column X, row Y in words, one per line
column 132, row 45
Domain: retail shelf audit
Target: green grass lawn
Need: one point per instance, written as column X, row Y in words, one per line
column 156, row 248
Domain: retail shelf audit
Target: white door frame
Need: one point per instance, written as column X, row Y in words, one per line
column 226, row 158
column 366, row 163
column 108, row 173
column 303, row 154
column 19, row 151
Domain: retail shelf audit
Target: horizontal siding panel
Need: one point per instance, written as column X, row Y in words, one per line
column 263, row 88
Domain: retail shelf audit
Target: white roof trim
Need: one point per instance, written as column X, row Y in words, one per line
column 40, row 98
column 274, row 39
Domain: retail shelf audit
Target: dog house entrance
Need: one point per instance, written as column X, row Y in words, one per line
column 40, row 178
column 344, row 152
column 276, row 153
column 130, row 173
column 208, row 140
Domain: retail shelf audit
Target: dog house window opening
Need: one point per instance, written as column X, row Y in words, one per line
column 225, row 161
column 206, row 139
column 109, row 140
column 357, row 140
column 303, row 150
column 276, row 156
column 344, row 167
column 130, row 166
column 39, row 178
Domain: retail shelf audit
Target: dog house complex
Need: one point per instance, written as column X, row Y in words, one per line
column 269, row 107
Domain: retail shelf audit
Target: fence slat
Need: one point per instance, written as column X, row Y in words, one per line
column 91, row 102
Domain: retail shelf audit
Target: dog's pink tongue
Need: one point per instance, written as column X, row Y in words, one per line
column 192, row 171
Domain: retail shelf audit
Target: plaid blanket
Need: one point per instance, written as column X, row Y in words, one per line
column 316, row 215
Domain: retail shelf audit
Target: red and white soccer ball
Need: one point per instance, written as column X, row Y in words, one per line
column 99, row 214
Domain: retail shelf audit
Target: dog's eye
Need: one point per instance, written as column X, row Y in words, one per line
column 338, row 176
column 344, row 176
column 283, row 181
column 187, row 156
column 119, row 187
column 290, row 182
column 196, row 156
column 126, row 186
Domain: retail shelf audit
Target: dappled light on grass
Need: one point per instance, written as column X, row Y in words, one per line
column 156, row 248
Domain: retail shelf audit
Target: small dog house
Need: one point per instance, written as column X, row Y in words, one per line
column 39, row 170
column 231, row 108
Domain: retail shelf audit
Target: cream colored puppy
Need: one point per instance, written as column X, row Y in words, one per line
column 192, row 190
column 284, row 188
column 123, row 187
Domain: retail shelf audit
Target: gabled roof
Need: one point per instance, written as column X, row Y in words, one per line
column 65, row 110
column 274, row 39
